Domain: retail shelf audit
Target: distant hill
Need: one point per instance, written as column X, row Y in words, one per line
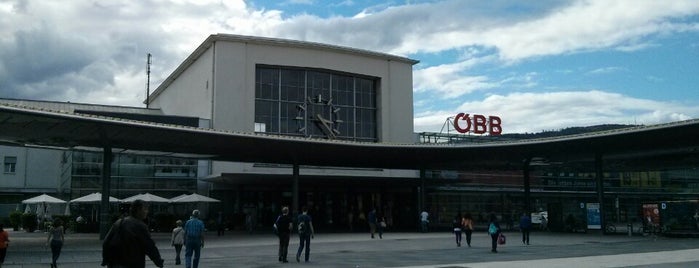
column 565, row 131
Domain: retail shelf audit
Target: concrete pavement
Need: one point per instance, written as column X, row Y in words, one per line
column 436, row 249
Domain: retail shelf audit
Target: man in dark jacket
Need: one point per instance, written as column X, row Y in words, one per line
column 284, row 225
column 129, row 241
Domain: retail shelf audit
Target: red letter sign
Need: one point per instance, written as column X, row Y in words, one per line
column 465, row 118
column 495, row 128
column 493, row 125
column 478, row 124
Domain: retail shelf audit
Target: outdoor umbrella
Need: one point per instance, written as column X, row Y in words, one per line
column 93, row 198
column 193, row 198
column 177, row 197
column 43, row 199
column 147, row 197
column 43, row 202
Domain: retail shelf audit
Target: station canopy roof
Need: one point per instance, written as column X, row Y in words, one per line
column 25, row 126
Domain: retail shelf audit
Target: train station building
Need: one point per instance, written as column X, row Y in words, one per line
column 260, row 123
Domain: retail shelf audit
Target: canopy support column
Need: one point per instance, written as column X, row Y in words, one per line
column 295, row 190
column 527, row 187
column 599, row 176
column 106, row 191
column 421, row 192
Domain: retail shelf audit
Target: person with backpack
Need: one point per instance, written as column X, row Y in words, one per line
column 494, row 232
column 128, row 241
column 305, row 229
column 283, row 225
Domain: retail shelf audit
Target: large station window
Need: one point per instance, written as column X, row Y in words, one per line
column 315, row 103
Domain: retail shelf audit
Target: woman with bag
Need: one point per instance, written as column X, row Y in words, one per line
column 494, row 232
column 467, row 227
column 177, row 240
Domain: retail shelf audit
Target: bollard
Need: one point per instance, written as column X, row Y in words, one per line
column 629, row 229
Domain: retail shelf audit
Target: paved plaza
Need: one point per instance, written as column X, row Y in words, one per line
column 435, row 249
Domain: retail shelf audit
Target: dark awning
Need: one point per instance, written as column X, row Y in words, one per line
column 26, row 126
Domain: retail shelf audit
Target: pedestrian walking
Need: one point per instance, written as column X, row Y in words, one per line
column 306, row 232
column 544, row 223
column 456, row 225
column 4, row 243
column 467, row 227
column 220, row 224
column 193, row 240
column 373, row 221
column 177, row 240
column 284, row 225
column 424, row 221
column 525, row 225
column 128, row 241
column 382, row 226
column 494, row 232
column 55, row 240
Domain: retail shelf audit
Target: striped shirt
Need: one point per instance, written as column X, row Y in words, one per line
column 194, row 228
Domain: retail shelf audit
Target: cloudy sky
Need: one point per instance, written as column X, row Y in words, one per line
column 539, row 65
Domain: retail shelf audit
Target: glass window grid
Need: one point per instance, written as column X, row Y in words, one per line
column 348, row 94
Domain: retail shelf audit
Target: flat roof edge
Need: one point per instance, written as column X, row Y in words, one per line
column 209, row 41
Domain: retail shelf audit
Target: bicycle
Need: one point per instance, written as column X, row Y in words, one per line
column 650, row 229
column 610, row 228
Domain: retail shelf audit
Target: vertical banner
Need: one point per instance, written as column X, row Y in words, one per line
column 593, row 216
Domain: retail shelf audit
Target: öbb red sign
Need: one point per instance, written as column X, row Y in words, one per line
column 478, row 124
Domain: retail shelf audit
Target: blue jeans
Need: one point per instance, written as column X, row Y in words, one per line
column 193, row 246
column 305, row 242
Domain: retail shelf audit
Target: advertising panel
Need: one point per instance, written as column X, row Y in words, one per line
column 651, row 214
column 593, row 216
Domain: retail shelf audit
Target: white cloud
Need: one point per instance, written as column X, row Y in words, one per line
column 104, row 44
column 89, row 51
column 534, row 112
column 606, row 70
column 451, row 80
column 579, row 26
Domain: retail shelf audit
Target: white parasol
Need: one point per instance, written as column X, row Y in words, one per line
column 43, row 199
column 194, row 198
column 147, row 197
column 93, row 198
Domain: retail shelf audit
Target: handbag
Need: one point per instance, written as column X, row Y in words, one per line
column 502, row 239
column 382, row 224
